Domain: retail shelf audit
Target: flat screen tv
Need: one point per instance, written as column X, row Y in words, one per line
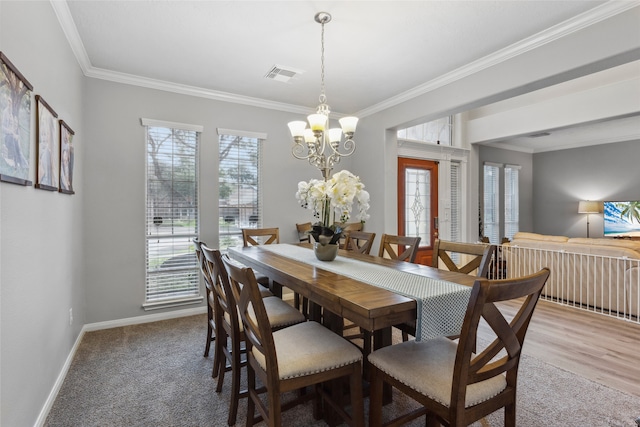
column 622, row 219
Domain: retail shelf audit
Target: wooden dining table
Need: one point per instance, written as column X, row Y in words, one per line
column 337, row 297
column 372, row 308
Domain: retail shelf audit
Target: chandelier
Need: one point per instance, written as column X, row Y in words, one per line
column 320, row 144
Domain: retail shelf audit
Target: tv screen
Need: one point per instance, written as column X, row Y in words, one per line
column 622, row 219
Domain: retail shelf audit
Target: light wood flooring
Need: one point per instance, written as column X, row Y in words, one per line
column 601, row 348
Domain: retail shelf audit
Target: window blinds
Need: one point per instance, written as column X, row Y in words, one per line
column 511, row 201
column 491, row 211
column 171, row 214
column 239, row 198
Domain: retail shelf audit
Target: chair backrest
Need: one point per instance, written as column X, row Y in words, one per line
column 225, row 302
column 481, row 254
column 471, row 368
column 359, row 241
column 257, row 329
column 260, row 236
column 302, row 231
column 403, row 248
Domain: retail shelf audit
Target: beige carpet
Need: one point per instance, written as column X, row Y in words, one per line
column 154, row 375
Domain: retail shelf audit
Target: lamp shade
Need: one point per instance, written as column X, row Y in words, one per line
column 589, row 207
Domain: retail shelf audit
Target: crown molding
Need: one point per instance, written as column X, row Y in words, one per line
column 595, row 15
column 577, row 23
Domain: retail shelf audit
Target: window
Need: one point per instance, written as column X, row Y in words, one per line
column 435, row 132
column 511, row 214
column 491, row 214
column 499, row 223
column 456, row 202
column 239, row 185
column 171, row 214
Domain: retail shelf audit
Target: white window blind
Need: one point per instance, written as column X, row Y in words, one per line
column 239, row 185
column 491, row 198
column 456, row 202
column 511, row 200
column 171, row 214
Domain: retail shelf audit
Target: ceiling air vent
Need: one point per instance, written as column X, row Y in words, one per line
column 282, row 74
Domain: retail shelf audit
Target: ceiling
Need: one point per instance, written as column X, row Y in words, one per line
column 224, row 49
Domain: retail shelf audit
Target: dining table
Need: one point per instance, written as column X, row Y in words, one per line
column 372, row 292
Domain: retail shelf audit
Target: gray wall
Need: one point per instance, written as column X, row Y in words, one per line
column 115, row 205
column 41, row 245
column 562, row 178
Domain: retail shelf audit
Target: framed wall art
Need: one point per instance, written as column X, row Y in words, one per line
column 66, row 158
column 15, row 116
column 48, row 159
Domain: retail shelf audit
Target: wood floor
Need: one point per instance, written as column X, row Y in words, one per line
column 604, row 349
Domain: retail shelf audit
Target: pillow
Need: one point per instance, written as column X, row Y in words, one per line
column 524, row 235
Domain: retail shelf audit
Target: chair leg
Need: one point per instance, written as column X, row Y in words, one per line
column 375, row 398
column 275, row 409
column 218, row 356
column 355, row 389
column 510, row 415
column 235, row 381
column 207, row 346
column 251, row 386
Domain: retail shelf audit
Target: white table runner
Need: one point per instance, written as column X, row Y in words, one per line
column 441, row 305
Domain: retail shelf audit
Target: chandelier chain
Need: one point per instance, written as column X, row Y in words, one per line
column 323, row 96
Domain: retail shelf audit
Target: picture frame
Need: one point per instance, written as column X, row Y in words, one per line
column 15, row 119
column 48, row 159
column 66, row 158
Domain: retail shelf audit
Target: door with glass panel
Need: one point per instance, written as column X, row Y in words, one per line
column 418, row 203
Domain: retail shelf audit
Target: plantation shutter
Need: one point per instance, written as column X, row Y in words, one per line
column 491, row 211
column 456, row 192
column 172, row 271
column 511, row 200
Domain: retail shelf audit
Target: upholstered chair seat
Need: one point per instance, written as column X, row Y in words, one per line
column 427, row 367
column 309, row 348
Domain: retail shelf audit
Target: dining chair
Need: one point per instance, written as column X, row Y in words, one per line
column 467, row 258
column 359, row 241
column 279, row 313
column 260, row 236
column 402, row 248
column 302, row 355
column 346, row 228
column 302, row 232
column 211, row 325
column 454, row 384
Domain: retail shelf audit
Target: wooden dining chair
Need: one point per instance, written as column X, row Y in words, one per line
column 302, row 355
column 454, row 384
column 263, row 236
column 260, row 236
column 302, row 232
column 467, row 258
column 346, row 228
column 359, row 241
column 471, row 257
column 230, row 329
column 211, row 325
column 402, row 248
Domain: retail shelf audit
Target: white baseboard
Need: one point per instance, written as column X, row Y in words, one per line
column 106, row 325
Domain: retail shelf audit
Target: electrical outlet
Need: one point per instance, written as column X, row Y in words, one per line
column 71, row 316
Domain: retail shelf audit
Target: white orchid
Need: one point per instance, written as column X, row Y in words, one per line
column 336, row 196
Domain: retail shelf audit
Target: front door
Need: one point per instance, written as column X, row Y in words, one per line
column 418, row 203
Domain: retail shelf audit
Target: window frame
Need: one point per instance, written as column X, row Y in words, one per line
column 185, row 268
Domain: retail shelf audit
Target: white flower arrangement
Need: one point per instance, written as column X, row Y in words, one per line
column 335, row 196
